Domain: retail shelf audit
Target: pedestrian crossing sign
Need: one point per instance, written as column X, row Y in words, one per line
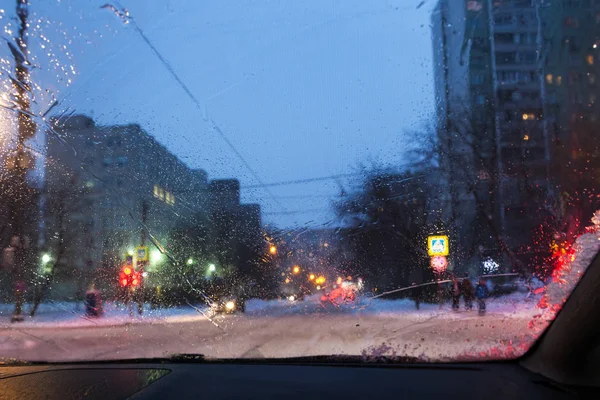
column 141, row 253
column 437, row 245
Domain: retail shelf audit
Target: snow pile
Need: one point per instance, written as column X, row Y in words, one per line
column 565, row 278
column 310, row 305
column 70, row 314
column 515, row 304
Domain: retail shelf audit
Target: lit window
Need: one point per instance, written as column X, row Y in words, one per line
column 558, row 80
column 525, row 137
column 161, row 194
column 549, row 79
column 169, row 198
column 528, row 117
column 590, row 59
column 156, row 188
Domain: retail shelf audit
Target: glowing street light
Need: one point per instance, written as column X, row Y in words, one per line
column 212, row 267
column 311, row 277
column 272, row 249
column 296, row 269
column 190, row 261
column 46, row 258
column 156, row 256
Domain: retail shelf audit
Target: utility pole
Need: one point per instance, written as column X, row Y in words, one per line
column 144, row 219
column 21, row 160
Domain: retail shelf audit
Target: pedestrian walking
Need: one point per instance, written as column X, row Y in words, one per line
column 417, row 296
column 467, row 291
column 481, row 292
column 14, row 259
column 93, row 302
column 455, row 293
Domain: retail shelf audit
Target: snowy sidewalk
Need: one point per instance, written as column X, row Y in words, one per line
column 66, row 315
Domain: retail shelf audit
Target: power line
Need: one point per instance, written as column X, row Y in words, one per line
column 300, row 181
column 307, row 211
column 309, row 196
column 185, row 88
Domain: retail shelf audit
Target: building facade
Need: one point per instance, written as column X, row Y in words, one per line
column 496, row 145
column 110, row 189
column 571, row 62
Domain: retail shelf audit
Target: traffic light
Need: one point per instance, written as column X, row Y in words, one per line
column 135, row 279
column 125, row 275
column 129, row 277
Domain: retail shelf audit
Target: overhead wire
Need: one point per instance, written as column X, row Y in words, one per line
column 306, row 180
column 189, row 93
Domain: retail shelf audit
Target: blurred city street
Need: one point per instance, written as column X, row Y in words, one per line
column 275, row 329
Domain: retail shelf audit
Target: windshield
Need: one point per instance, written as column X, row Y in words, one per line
column 257, row 179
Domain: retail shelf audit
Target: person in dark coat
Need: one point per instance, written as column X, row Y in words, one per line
column 417, row 294
column 481, row 292
column 16, row 258
column 467, row 290
column 455, row 293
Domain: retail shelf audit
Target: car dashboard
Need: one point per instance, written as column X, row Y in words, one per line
column 295, row 380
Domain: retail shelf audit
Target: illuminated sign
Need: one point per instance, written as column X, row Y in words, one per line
column 437, row 245
column 439, row 263
column 141, row 253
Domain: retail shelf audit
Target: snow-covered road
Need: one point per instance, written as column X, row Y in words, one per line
column 276, row 329
column 371, row 329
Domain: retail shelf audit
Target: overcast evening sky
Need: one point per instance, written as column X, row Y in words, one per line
column 301, row 88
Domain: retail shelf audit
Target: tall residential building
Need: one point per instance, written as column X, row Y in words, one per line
column 571, row 61
column 494, row 142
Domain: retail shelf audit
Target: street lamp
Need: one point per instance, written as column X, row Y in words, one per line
column 190, row 261
column 46, row 258
column 296, row 269
column 311, row 277
column 156, row 255
column 272, row 249
column 212, row 267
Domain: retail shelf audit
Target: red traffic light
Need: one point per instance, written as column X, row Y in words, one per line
column 129, row 277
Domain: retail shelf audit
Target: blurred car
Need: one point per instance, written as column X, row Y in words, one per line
column 346, row 292
column 228, row 295
column 294, row 292
column 229, row 304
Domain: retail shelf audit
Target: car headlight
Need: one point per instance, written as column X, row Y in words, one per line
column 230, row 305
column 292, row 298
